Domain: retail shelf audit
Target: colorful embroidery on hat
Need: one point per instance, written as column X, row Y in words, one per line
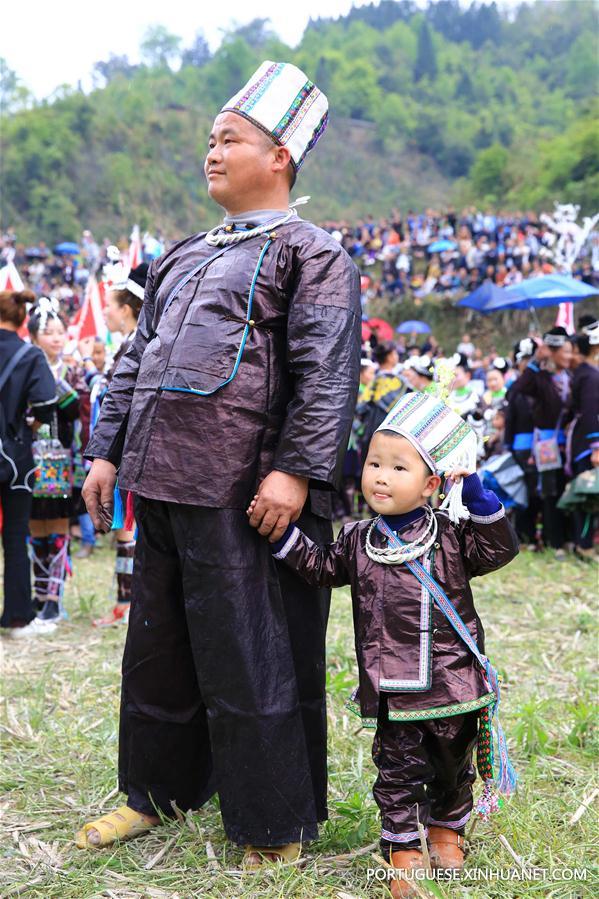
column 407, row 407
column 437, row 414
column 451, row 441
column 259, row 88
column 300, row 116
column 293, row 110
column 318, row 132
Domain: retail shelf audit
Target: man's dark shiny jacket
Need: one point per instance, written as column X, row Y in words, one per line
column 290, row 405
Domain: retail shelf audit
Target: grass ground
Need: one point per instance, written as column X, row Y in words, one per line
column 59, row 744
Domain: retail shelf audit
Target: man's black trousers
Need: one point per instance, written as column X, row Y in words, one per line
column 224, row 676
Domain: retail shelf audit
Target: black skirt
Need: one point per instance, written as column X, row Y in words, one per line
column 45, row 508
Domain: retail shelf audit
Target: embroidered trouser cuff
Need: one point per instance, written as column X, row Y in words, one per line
column 425, row 776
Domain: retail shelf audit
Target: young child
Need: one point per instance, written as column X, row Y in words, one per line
column 419, row 683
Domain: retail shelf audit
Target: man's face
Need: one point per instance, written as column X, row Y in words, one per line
column 239, row 161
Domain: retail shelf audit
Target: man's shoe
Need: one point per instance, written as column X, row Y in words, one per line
column 446, row 848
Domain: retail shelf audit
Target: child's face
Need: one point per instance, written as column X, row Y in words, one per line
column 99, row 355
column 396, row 479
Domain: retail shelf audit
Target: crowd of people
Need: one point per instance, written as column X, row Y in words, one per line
column 51, row 393
column 546, row 385
column 545, row 394
column 452, row 253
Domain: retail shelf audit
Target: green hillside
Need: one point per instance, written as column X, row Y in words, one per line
column 446, row 105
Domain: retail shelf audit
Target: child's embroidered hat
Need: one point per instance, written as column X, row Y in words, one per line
column 281, row 101
column 440, row 435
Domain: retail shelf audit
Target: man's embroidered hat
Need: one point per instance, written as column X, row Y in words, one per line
column 440, row 435
column 281, row 101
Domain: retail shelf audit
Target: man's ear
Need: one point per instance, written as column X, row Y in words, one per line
column 282, row 158
column 432, row 483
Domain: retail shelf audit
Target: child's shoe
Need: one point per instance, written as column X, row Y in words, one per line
column 446, row 848
column 404, row 861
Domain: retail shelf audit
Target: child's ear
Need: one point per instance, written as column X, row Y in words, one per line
column 432, row 483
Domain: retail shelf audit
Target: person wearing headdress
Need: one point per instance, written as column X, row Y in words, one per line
column 582, row 439
column 243, row 374
column 27, row 400
column 494, row 395
column 547, row 380
column 123, row 306
column 463, row 398
column 421, row 685
column 49, row 524
column 518, row 438
column 386, row 388
column 419, row 371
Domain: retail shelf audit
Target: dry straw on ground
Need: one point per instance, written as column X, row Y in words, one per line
column 59, row 742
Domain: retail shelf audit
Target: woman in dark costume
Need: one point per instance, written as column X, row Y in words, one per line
column 49, row 525
column 583, row 432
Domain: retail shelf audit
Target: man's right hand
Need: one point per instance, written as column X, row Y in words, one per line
column 98, row 493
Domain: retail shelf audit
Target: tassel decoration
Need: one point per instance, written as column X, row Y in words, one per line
column 454, row 503
column 129, row 513
column 118, row 513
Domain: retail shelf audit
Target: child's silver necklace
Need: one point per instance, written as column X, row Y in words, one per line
column 395, row 555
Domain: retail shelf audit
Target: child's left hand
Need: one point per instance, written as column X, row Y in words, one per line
column 251, row 506
column 456, row 474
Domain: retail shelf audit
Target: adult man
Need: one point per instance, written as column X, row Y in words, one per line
column 243, row 371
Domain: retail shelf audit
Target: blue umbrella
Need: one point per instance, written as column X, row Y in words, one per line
column 413, row 327
column 485, row 298
column 66, row 249
column 439, row 246
column 549, row 290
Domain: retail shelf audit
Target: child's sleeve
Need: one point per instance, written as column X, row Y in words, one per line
column 487, row 538
column 321, row 566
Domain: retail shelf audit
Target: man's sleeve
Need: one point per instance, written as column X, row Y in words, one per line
column 323, row 357
column 108, row 439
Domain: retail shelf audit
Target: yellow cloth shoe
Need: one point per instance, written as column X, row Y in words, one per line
column 256, row 857
column 122, row 824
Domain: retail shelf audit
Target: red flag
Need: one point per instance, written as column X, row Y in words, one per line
column 565, row 317
column 10, row 279
column 89, row 320
column 135, row 251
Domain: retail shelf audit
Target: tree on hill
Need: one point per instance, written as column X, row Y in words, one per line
column 426, row 60
column 198, row 53
column 489, row 174
column 505, row 109
column 159, row 48
column 107, row 70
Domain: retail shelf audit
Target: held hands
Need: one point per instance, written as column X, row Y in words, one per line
column 98, row 493
column 278, row 503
